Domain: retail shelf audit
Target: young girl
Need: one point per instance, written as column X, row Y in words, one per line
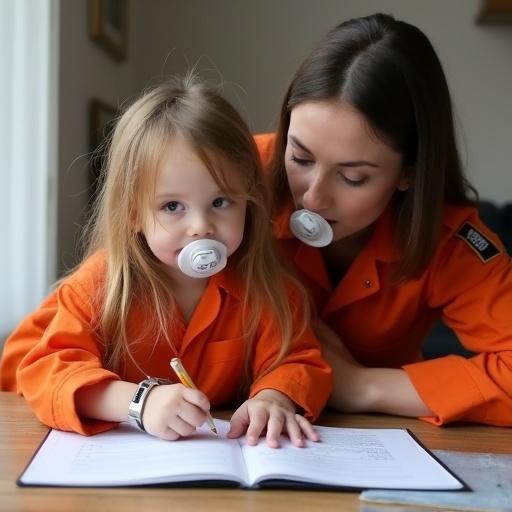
column 179, row 264
column 366, row 145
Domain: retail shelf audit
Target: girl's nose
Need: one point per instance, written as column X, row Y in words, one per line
column 200, row 226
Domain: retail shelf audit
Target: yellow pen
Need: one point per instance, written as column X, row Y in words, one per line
column 185, row 379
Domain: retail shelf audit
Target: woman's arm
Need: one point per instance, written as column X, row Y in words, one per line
column 361, row 389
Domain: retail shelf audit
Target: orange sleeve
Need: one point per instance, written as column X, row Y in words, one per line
column 303, row 375
column 66, row 357
column 265, row 143
column 23, row 339
column 475, row 299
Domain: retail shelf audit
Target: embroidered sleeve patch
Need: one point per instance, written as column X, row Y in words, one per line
column 480, row 244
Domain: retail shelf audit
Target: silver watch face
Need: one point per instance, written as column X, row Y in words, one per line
column 138, row 402
column 134, row 420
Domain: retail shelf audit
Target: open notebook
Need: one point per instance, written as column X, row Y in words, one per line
column 346, row 458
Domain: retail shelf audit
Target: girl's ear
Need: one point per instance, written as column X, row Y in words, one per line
column 135, row 222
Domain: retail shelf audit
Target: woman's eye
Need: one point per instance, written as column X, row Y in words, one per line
column 173, row 206
column 353, row 182
column 221, row 202
column 300, row 161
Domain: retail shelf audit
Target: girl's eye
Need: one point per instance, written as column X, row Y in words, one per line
column 221, row 202
column 173, row 207
column 300, row 161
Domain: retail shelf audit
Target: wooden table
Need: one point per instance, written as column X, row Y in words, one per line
column 21, row 433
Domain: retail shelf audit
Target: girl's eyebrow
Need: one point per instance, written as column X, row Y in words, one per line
column 350, row 163
column 183, row 195
column 164, row 195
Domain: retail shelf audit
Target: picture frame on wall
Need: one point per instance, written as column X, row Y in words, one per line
column 108, row 26
column 494, row 12
column 102, row 117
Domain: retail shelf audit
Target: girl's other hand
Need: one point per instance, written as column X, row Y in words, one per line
column 174, row 411
column 274, row 412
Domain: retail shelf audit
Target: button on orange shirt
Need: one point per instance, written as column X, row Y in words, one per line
column 384, row 325
column 65, row 354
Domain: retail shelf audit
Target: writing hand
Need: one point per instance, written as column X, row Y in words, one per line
column 174, row 411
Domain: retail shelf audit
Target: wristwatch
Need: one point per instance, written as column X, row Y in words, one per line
column 136, row 407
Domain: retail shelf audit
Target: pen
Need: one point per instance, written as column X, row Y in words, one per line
column 185, row 379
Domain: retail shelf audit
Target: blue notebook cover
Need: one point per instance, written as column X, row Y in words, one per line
column 489, row 475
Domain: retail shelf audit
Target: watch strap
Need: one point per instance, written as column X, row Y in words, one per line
column 138, row 402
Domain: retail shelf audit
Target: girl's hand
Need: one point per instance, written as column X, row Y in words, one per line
column 274, row 412
column 174, row 411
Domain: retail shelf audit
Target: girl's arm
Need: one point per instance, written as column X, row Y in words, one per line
column 60, row 372
column 171, row 411
column 301, row 381
column 107, row 400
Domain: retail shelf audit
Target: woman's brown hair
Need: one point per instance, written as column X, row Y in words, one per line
column 390, row 73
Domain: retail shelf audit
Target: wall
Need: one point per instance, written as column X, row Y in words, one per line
column 258, row 45
column 86, row 72
column 255, row 47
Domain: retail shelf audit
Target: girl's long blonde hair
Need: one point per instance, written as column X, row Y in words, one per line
column 218, row 134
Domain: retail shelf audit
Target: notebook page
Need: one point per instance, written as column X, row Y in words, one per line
column 349, row 457
column 126, row 456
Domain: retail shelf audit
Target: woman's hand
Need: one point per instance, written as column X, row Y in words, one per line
column 350, row 392
column 174, row 411
column 360, row 389
column 274, row 412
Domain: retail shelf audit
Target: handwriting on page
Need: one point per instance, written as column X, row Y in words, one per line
column 348, row 455
column 325, row 456
column 132, row 455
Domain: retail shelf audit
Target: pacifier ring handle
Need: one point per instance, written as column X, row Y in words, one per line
column 311, row 228
column 202, row 258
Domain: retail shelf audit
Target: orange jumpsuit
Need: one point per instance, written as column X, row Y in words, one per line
column 384, row 325
column 62, row 354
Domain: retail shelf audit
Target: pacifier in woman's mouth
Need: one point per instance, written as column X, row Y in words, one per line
column 311, row 228
column 202, row 258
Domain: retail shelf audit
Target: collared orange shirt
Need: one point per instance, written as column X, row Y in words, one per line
column 384, row 325
column 62, row 353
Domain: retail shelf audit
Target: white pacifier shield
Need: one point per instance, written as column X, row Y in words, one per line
column 311, row 228
column 202, row 258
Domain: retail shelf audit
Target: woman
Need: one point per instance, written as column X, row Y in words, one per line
column 366, row 147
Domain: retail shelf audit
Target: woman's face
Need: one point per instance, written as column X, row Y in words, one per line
column 338, row 168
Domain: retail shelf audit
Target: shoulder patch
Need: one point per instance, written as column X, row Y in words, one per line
column 480, row 244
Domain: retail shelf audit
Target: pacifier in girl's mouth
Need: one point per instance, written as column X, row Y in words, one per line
column 311, row 228
column 202, row 258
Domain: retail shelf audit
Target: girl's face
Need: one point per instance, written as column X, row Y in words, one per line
column 338, row 168
column 188, row 205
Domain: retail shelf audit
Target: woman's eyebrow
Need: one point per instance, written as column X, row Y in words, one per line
column 350, row 163
column 358, row 163
column 299, row 144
